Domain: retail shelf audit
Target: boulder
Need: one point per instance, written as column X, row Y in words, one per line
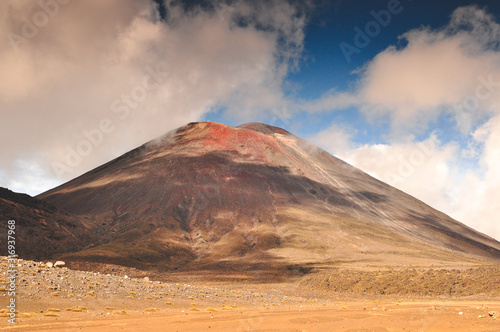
column 59, row 264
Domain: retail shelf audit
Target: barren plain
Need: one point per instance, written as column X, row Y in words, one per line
column 61, row 299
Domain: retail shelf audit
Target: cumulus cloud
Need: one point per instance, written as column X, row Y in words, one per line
column 84, row 81
column 453, row 71
column 330, row 101
column 336, row 138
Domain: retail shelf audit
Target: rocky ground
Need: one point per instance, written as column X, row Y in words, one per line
column 41, row 285
column 55, row 298
column 426, row 282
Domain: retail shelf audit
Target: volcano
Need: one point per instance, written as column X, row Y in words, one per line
column 208, row 196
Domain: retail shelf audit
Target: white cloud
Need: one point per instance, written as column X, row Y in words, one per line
column 336, row 138
column 455, row 69
column 113, row 75
column 331, row 101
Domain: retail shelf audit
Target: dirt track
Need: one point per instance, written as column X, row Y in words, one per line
column 344, row 316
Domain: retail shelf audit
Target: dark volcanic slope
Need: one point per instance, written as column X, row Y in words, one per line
column 41, row 229
column 251, row 197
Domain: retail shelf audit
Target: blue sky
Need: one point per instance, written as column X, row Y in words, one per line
column 416, row 106
column 324, row 66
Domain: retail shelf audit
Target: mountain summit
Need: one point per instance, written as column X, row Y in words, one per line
column 208, row 196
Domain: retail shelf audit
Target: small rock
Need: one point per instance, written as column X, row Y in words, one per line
column 460, row 313
column 145, row 279
column 49, row 264
column 59, row 264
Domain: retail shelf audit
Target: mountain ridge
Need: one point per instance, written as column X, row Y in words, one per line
column 41, row 230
